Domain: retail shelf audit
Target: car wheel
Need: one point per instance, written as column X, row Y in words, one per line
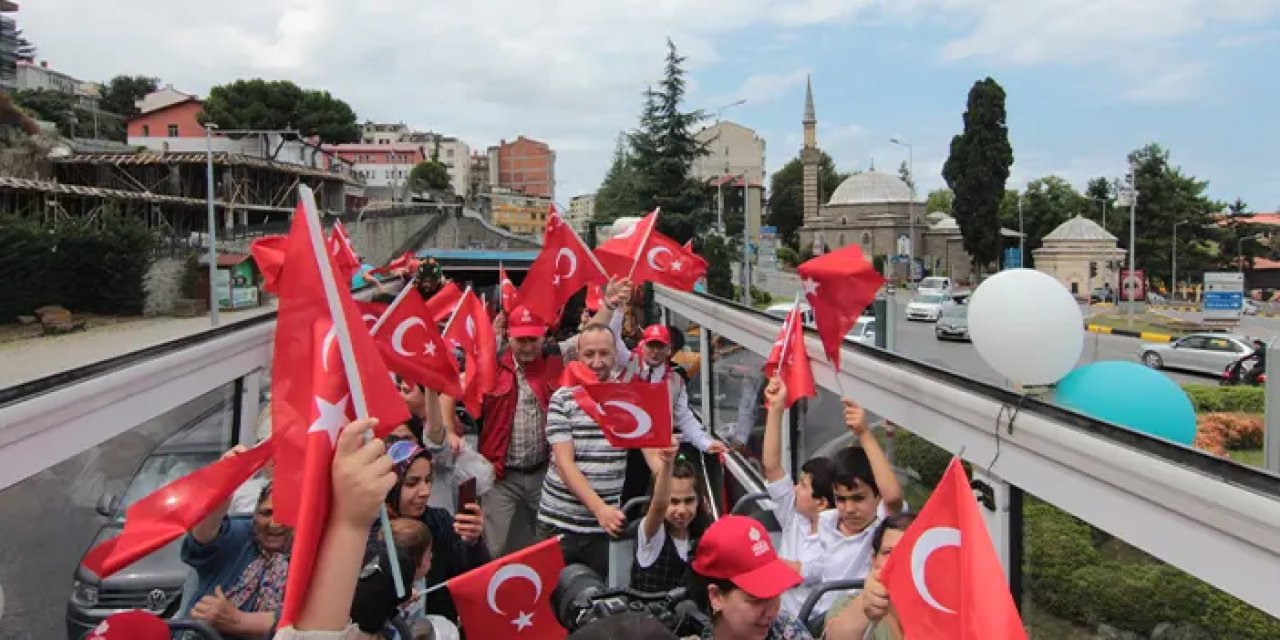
column 1153, row 360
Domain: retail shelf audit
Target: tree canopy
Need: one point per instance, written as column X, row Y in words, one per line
column 66, row 113
column 279, row 104
column 939, row 200
column 1046, row 203
column 430, row 175
column 976, row 171
column 786, row 195
column 120, row 93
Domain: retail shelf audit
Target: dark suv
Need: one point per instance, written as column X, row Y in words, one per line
column 155, row 582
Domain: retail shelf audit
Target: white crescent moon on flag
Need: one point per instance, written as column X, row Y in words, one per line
column 326, row 345
column 512, row 572
column 643, row 422
column 928, row 542
column 471, row 327
column 397, row 338
column 653, row 254
column 573, row 262
column 370, row 318
column 629, row 231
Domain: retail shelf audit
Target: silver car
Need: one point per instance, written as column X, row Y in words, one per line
column 927, row 307
column 954, row 323
column 1207, row 353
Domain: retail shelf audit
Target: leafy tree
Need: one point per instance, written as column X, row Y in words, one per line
column 120, row 94
column 939, row 200
column 1236, row 241
column 430, row 175
column 786, row 195
column 1100, row 195
column 618, row 194
column 904, row 174
column 719, row 274
column 977, row 170
column 280, row 104
column 65, row 112
column 1047, row 203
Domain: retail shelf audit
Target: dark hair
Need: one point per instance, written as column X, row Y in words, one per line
column 682, row 469
column 850, row 466
column 895, row 522
column 624, row 626
column 821, row 473
column 698, row 586
column 263, row 494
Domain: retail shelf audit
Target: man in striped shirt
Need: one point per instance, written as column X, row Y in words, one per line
column 583, row 484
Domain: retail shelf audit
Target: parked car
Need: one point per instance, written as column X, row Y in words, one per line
column 927, row 307
column 940, row 285
column 954, row 324
column 155, row 582
column 783, row 309
column 863, row 331
column 1102, row 294
column 1250, row 308
column 1207, row 353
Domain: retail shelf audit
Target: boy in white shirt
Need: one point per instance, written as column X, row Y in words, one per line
column 866, row 490
column 797, row 506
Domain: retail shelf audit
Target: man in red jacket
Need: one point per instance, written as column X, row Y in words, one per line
column 514, row 418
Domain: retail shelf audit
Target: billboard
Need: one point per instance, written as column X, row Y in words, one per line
column 1138, row 282
column 1223, row 295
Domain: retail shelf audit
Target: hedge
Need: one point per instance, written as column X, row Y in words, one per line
column 1069, row 573
column 84, row 264
column 1207, row 399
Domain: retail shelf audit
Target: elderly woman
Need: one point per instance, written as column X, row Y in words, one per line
column 240, row 564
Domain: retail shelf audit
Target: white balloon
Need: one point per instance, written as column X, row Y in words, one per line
column 1026, row 326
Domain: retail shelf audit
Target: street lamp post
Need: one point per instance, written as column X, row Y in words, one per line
column 1022, row 235
column 1131, row 195
column 212, row 236
column 746, row 240
column 720, row 188
column 1173, row 253
column 1103, row 202
column 911, row 209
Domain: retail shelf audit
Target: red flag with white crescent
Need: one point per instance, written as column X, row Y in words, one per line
column 562, row 268
column 471, row 329
column 632, row 415
column 510, row 597
column 412, row 346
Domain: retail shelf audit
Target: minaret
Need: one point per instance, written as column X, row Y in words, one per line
column 810, row 157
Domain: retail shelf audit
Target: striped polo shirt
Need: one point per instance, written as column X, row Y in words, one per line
column 602, row 464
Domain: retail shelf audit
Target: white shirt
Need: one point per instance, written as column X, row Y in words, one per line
column 647, row 549
column 798, row 543
column 845, row 557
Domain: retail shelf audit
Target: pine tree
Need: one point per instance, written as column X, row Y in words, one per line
column 977, row 170
column 617, row 195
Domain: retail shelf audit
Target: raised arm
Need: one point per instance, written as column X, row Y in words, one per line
column 886, row 479
column 775, row 398
column 657, row 512
column 207, row 529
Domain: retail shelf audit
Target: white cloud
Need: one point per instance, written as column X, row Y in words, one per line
column 767, row 87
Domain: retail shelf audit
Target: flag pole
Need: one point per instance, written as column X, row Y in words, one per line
column 404, row 291
column 585, row 249
column 786, row 328
column 635, row 260
column 453, row 314
column 348, row 352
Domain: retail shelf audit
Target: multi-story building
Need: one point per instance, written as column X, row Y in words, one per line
column 519, row 213
column 525, row 165
column 734, row 151
column 31, row 75
column 581, row 210
column 384, row 168
column 8, row 47
column 454, row 153
column 479, row 183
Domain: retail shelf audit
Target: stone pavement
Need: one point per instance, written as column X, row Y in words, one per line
column 33, row 358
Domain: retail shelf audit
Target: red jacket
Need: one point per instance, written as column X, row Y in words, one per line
column 498, row 409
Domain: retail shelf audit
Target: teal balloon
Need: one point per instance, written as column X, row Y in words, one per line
column 1130, row 395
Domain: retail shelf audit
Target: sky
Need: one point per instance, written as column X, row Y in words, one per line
column 1087, row 80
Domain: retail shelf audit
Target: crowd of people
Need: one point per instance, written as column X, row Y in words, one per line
column 555, row 474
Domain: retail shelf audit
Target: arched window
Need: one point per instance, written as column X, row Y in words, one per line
column 866, row 239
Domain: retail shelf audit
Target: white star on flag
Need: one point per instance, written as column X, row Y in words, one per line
column 676, row 265
column 332, row 417
column 810, row 286
column 523, row 620
column 555, row 280
column 430, row 349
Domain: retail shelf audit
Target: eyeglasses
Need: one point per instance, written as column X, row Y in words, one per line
column 402, row 449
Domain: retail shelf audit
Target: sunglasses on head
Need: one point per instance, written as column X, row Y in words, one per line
column 402, row 448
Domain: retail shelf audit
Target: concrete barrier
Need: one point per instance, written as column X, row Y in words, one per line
column 1148, row 336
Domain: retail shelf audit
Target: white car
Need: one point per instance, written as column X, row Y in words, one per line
column 934, row 284
column 863, row 331
column 927, row 307
column 783, row 309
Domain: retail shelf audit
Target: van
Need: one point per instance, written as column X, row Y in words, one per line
column 939, row 285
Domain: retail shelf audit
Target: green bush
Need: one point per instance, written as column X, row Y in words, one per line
column 85, row 265
column 1207, row 399
column 921, row 456
column 1067, row 576
column 788, row 256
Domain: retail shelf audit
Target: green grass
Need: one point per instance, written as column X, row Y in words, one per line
column 1141, row 322
column 1251, row 457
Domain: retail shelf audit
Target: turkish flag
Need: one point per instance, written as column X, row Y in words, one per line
column 471, row 329
column 512, row 590
column 169, row 512
column 562, row 268
column 595, row 297
column 442, row 302
column 667, row 262
column 342, row 253
column 796, row 372
column 509, row 293
column 412, row 346
column 620, row 255
column 403, row 265
column 268, row 254
column 838, row 286
column 370, row 311
column 632, row 415
column 943, row 576
column 316, row 324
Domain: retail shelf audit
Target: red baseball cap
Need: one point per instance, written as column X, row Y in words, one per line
column 131, row 625
column 657, row 333
column 523, row 324
column 738, row 549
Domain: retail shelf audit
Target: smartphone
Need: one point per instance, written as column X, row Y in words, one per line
column 466, row 494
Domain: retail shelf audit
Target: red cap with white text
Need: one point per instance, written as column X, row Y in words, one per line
column 738, row 549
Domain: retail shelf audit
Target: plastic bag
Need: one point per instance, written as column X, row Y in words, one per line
column 468, row 464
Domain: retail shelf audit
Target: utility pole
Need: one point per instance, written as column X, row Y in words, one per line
column 746, row 241
column 213, row 224
column 911, row 209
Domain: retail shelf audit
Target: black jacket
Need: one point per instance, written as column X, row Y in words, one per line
column 450, row 558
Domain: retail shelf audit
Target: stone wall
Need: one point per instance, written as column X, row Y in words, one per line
column 163, row 283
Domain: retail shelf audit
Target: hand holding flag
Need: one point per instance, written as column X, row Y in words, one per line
column 789, row 360
column 838, row 286
column 562, row 268
column 632, row 415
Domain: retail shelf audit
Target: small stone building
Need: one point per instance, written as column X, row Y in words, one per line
column 1066, row 253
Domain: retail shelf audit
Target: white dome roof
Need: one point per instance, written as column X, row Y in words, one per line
column 945, row 223
column 871, row 187
column 1080, row 229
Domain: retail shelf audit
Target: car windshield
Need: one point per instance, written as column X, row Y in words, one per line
column 158, row 470
column 929, row 298
column 957, row 311
column 932, row 283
